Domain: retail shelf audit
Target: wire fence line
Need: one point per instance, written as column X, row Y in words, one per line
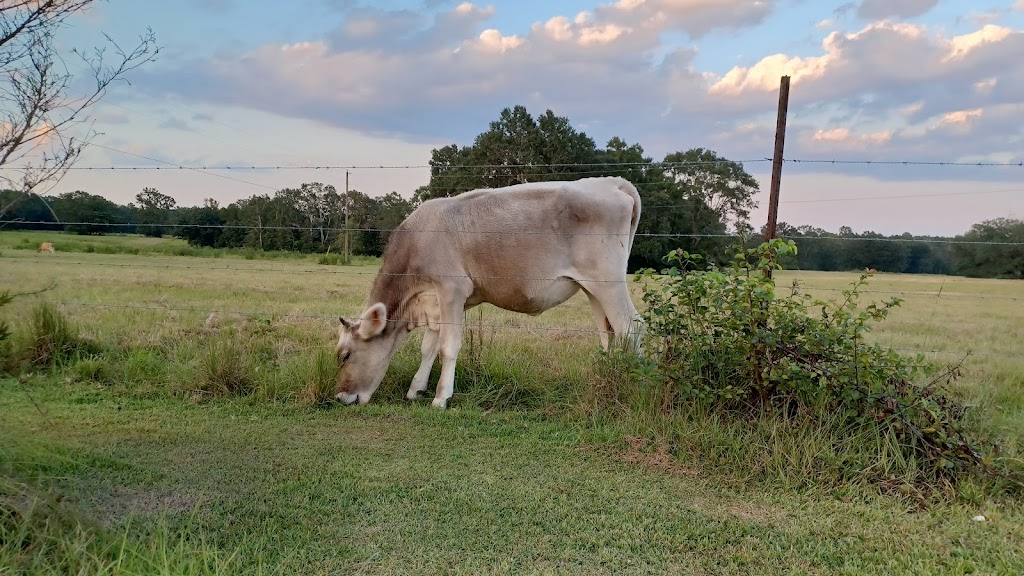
column 308, row 228
column 347, row 271
column 166, row 165
column 468, row 323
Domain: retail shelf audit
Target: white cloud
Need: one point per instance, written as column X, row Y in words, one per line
column 879, row 9
column 962, row 45
column 493, row 41
column 695, row 17
column 890, row 87
column 960, row 118
column 985, row 87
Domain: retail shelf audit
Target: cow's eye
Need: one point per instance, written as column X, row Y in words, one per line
column 344, row 357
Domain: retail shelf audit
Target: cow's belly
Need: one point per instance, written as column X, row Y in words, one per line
column 528, row 298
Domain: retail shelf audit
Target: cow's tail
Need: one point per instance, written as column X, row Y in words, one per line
column 627, row 187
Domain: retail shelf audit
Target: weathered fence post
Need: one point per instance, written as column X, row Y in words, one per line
column 348, row 258
column 780, row 143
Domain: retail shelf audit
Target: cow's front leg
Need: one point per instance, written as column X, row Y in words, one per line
column 428, row 350
column 452, row 300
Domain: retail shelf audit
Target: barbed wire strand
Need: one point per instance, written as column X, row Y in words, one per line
column 469, row 324
column 167, row 165
column 329, row 269
column 321, row 229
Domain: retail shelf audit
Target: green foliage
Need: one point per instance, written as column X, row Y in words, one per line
column 997, row 250
column 730, row 340
column 317, row 377
column 329, row 259
column 7, row 357
column 153, row 210
column 226, row 367
column 52, row 338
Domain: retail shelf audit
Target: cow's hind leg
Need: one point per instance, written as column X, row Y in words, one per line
column 604, row 328
column 614, row 309
column 428, row 350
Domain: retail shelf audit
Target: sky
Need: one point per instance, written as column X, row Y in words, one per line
column 378, row 85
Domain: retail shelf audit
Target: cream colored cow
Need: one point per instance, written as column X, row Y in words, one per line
column 46, row 247
column 524, row 248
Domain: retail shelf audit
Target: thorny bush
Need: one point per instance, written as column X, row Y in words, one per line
column 731, row 339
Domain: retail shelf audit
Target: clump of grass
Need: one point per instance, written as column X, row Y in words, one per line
column 41, row 534
column 224, row 368
column 329, row 259
column 91, row 368
column 318, row 376
column 52, row 338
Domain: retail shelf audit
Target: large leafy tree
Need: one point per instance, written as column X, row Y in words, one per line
column 516, row 148
column 991, row 249
column 153, row 210
column 708, row 180
column 90, row 213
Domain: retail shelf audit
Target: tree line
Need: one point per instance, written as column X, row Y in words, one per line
column 694, row 200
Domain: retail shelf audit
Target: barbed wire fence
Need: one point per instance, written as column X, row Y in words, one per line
column 545, row 171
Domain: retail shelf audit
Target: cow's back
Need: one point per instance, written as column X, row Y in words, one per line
column 536, row 230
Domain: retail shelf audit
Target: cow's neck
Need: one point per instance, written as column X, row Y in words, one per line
column 394, row 289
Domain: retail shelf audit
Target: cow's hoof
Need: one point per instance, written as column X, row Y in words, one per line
column 413, row 395
column 440, row 403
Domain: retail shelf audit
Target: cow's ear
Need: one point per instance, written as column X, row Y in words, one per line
column 373, row 320
column 344, row 322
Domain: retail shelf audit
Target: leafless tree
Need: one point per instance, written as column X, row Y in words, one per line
column 44, row 121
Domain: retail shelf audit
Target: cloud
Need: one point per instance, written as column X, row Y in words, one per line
column 879, row 9
column 695, row 17
column 175, row 123
column 889, row 88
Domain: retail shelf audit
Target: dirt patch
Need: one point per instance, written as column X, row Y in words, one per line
column 121, row 503
column 654, row 455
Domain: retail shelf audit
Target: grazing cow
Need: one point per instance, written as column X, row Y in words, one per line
column 525, row 248
column 46, row 247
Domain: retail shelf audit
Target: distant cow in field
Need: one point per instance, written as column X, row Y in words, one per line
column 871, row 271
column 525, row 248
column 46, row 247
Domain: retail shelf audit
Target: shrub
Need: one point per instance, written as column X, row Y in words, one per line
column 728, row 339
column 329, row 259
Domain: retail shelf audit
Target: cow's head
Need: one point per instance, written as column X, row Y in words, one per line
column 364, row 352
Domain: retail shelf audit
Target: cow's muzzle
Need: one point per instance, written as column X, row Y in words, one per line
column 347, row 399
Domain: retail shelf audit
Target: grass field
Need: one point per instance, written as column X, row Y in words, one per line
column 126, row 464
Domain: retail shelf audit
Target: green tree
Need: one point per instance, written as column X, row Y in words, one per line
column 89, row 213
column 200, row 225
column 711, row 181
column 155, row 211
column 991, row 249
column 515, row 149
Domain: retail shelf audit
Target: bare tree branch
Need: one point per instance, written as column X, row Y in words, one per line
column 42, row 108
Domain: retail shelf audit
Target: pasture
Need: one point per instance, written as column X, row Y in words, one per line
column 149, row 466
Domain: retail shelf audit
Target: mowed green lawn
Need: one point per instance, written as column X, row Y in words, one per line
column 504, row 482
